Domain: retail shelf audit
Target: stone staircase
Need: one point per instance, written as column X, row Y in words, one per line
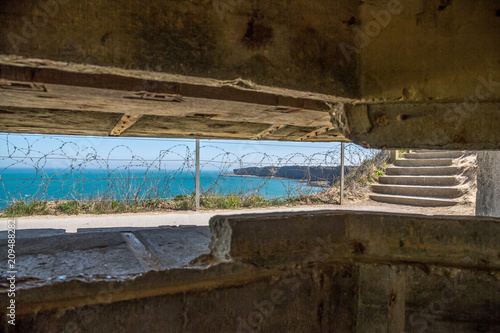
column 421, row 178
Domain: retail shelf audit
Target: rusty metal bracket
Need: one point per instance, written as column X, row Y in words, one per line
column 155, row 96
column 124, row 123
column 268, row 131
column 285, row 109
column 203, row 115
column 20, row 85
column 316, row 133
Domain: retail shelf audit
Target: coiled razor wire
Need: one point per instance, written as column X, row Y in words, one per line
column 27, row 172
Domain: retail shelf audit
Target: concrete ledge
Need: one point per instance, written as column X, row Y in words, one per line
column 37, row 295
column 275, row 239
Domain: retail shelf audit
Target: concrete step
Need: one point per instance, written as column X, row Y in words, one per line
column 420, row 180
column 422, row 171
column 413, row 201
column 449, row 192
column 424, row 162
column 434, row 154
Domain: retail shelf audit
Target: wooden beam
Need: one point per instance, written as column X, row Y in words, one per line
column 61, row 97
column 17, row 85
column 54, row 72
column 70, row 110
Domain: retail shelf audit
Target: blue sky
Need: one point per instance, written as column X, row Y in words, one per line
column 31, row 150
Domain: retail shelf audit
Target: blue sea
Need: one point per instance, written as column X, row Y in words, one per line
column 129, row 184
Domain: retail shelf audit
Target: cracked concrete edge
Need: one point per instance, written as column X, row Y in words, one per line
column 337, row 115
column 430, row 125
column 458, row 241
column 220, row 244
column 351, row 120
column 76, row 293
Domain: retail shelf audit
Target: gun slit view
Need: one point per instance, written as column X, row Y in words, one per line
column 250, row 166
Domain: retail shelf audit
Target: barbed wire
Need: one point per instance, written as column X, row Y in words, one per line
column 61, row 168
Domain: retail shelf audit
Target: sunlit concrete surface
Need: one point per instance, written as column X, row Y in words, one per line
column 71, row 224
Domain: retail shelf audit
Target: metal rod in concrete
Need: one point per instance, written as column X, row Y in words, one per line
column 341, row 173
column 197, row 184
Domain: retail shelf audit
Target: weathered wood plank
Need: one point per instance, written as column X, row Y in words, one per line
column 35, row 70
column 92, row 111
column 176, row 127
column 104, row 100
column 40, row 121
column 101, row 124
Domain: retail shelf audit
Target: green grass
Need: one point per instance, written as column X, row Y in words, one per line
column 214, row 201
column 258, row 201
column 234, row 201
column 185, row 204
column 180, row 202
column 181, row 197
column 402, row 153
column 23, row 208
column 70, row 208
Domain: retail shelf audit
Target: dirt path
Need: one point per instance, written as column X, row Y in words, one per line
column 146, row 220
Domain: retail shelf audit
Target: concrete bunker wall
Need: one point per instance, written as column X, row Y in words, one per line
column 321, row 272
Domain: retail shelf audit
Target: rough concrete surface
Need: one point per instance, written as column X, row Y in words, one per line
column 107, row 252
column 330, row 271
column 488, row 184
column 277, row 43
column 384, row 50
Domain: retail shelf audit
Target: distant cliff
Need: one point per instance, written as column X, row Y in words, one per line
column 304, row 173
